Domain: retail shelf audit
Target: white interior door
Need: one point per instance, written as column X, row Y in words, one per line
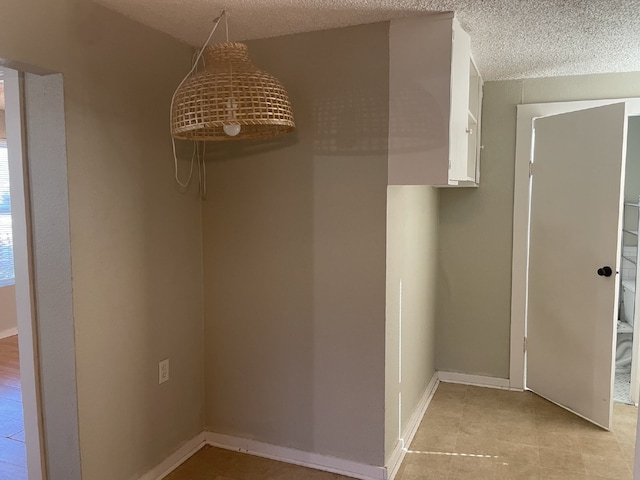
column 575, row 225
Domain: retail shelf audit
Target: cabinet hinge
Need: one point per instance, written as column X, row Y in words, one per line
column 530, row 169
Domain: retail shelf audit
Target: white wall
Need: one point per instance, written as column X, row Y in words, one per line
column 412, row 252
column 474, row 293
column 294, row 256
column 135, row 241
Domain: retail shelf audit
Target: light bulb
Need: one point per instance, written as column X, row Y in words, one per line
column 231, row 130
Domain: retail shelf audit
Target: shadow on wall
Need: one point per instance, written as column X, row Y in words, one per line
column 236, row 150
column 352, row 122
column 345, row 122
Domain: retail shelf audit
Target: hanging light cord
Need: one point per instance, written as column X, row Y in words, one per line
column 202, row 173
column 196, row 152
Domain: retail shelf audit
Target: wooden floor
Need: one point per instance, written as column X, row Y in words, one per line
column 211, row 463
column 12, row 447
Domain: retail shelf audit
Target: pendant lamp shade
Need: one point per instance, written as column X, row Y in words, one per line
column 230, row 99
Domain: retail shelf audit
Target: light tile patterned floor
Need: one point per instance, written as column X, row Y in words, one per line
column 471, row 433
column 622, row 388
column 480, row 433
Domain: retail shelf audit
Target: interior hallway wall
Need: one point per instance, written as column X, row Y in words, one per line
column 632, row 172
column 412, row 236
column 294, row 256
column 135, row 240
column 8, row 316
column 476, row 226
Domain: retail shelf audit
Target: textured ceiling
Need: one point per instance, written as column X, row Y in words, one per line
column 510, row 38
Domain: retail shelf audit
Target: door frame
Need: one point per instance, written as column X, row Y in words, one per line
column 45, row 299
column 521, row 202
column 27, row 329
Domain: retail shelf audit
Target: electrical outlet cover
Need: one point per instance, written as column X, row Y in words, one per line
column 163, row 371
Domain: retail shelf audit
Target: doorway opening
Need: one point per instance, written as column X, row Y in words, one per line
column 36, row 147
column 23, row 459
column 585, row 268
column 524, row 145
column 522, row 198
column 12, row 436
column 627, row 362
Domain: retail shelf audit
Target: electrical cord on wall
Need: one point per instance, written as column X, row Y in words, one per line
column 196, row 150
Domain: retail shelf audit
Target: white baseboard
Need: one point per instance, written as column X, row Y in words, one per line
column 476, row 380
column 10, row 332
column 297, row 457
column 260, row 449
column 318, row 461
column 393, row 465
column 176, row 459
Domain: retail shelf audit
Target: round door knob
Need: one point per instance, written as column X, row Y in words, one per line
column 605, row 271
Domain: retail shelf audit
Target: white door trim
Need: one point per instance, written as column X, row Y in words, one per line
column 526, row 114
column 36, row 140
column 21, row 221
column 45, row 133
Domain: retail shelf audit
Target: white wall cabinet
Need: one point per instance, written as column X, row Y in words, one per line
column 435, row 99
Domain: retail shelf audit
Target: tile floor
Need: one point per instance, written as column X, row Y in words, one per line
column 480, row 433
column 622, row 388
column 471, row 433
column 12, row 447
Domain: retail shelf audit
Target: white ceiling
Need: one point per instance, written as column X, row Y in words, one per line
column 510, row 38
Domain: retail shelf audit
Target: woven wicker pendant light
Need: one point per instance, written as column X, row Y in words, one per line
column 230, row 99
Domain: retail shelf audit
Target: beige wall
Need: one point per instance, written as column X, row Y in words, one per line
column 294, row 256
column 8, row 318
column 135, row 241
column 412, row 236
column 474, row 293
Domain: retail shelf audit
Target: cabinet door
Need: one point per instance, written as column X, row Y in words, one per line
column 459, row 119
column 473, row 132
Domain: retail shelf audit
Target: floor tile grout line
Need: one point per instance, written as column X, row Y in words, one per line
column 465, row 407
